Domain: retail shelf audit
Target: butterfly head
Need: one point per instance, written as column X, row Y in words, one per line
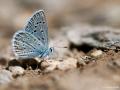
column 51, row 50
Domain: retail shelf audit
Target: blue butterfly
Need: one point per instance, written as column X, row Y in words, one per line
column 32, row 41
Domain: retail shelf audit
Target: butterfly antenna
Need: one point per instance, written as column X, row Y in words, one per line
column 61, row 47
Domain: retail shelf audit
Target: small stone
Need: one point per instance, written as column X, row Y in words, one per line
column 69, row 63
column 16, row 70
column 14, row 62
column 84, row 60
column 96, row 53
column 28, row 63
column 48, row 65
column 5, row 76
column 3, row 61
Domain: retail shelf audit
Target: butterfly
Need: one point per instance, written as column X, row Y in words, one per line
column 32, row 40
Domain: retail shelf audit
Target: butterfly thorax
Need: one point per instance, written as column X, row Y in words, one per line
column 47, row 52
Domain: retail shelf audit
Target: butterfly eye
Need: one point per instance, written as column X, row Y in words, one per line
column 51, row 50
column 35, row 26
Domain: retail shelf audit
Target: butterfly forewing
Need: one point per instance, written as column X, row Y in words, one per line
column 37, row 26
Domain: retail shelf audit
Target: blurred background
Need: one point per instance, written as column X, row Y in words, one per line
column 14, row 13
column 65, row 13
column 59, row 13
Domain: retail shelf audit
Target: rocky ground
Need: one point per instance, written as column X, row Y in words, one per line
column 90, row 62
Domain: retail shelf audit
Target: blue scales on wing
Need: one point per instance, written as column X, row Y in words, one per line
column 26, row 45
column 37, row 26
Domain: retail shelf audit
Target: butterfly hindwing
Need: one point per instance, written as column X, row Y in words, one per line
column 26, row 45
column 37, row 26
column 23, row 50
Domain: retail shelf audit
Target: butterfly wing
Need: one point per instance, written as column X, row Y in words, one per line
column 37, row 26
column 26, row 45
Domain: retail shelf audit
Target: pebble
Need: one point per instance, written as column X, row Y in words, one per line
column 69, row 63
column 85, row 60
column 16, row 70
column 50, row 65
column 96, row 53
column 5, row 77
column 3, row 61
